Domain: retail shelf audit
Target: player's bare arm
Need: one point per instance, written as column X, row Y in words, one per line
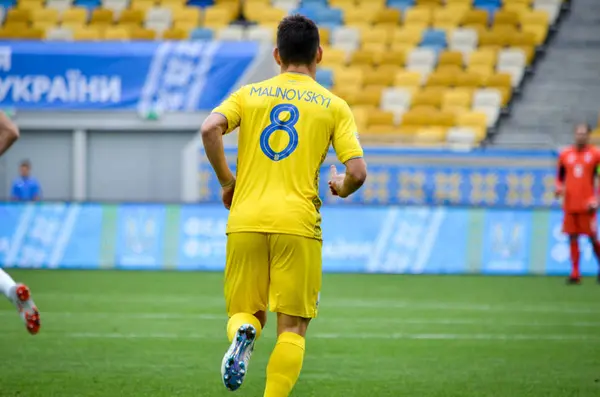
column 9, row 133
column 343, row 185
column 212, row 132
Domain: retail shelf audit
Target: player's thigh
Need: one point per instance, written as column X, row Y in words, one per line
column 570, row 224
column 246, row 273
column 296, row 268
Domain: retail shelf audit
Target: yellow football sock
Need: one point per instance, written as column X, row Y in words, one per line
column 284, row 365
column 239, row 319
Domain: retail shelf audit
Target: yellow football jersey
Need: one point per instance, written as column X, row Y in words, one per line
column 287, row 124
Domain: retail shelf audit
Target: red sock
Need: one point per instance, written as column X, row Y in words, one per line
column 575, row 258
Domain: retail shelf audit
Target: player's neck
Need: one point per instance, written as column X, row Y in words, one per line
column 306, row 70
column 581, row 147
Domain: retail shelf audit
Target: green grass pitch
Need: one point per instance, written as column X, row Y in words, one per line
column 159, row 334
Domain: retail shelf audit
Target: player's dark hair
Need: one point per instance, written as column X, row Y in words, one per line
column 26, row 163
column 297, row 40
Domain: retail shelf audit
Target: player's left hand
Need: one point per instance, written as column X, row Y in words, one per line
column 593, row 205
column 227, row 194
column 336, row 182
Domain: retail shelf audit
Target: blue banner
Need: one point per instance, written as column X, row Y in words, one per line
column 481, row 178
column 144, row 76
column 358, row 239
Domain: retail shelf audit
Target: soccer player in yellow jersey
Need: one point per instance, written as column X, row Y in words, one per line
column 286, row 126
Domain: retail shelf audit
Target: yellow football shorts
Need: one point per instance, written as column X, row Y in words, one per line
column 281, row 270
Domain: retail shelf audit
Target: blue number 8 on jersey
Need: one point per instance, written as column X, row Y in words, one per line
column 278, row 125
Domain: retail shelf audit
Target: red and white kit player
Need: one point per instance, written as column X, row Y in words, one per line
column 18, row 294
column 576, row 184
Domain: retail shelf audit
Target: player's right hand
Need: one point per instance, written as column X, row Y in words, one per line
column 227, row 195
column 336, row 182
column 559, row 192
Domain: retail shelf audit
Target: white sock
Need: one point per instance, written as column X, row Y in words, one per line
column 6, row 283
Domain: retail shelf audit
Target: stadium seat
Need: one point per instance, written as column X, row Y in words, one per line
column 74, row 16
column 470, row 79
column 407, row 78
column 189, row 16
column 423, row 59
column 465, row 135
column 325, row 77
column 117, row 6
column 551, row 7
column 441, row 79
column 175, row 34
column 46, row 15
column 396, row 99
column 230, row 33
column 142, row 34
column 131, row 17
column 333, row 57
column 346, row 38
column 380, row 35
column 116, row 33
column 383, row 76
column 141, row 5
column 362, row 57
column 474, row 16
column 59, row 34
column 85, row 33
column 450, row 58
column 463, row 40
column 216, row 17
column 472, row 119
column 387, row 17
column 431, row 97
column 418, row 16
column 484, row 71
column 102, row 17
column 380, row 118
column 261, row 34
column 345, row 77
column 17, row 15
column 457, row 98
column 286, row 5
column 158, row 19
column 324, row 35
column 410, row 36
column 391, row 57
column 201, row 34
column 482, row 57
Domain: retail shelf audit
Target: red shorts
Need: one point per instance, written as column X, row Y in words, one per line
column 580, row 223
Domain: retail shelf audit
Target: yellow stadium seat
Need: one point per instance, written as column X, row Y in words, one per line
column 380, row 117
column 445, row 119
column 500, row 80
column 529, row 52
column 175, row 34
column 85, row 33
column 131, row 17
column 482, row 57
column 142, row 5
column 16, row 15
column 333, row 56
column 428, row 97
column 102, row 16
column 441, row 79
column 185, row 26
column 451, row 58
column 75, row 15
column 267, row 15
column 391, row 57
column 32, row 34
column 8, row 33
column 472, row 119
column 468, row 79
column 30, row 5
column 116, row 33
column 479, row 17
column 380, row 76
column 408, row 79
column 377, row 49
column 216, row 17
column 362, row 57
column 43, row 25
column 449, row 69
column 445, row 16
column 490, row 38
column 539, row 32
column 324, row 36
column 535, row 17
column 457, row 98
column 350, row 76
column 517, row 8
column 484, row 71
column 419, row 117
column 478, row 27
column 46, row 15
column 410, row 36
column 503, row 17
column 505, row 93
column 405, row 48
column 190, row 15
column 379, row 35
column 359, row 16
column 348, row 93
column 416, row 15
column 369, row 96
column 522, row 39
column 143, row 34
column 387, row 16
